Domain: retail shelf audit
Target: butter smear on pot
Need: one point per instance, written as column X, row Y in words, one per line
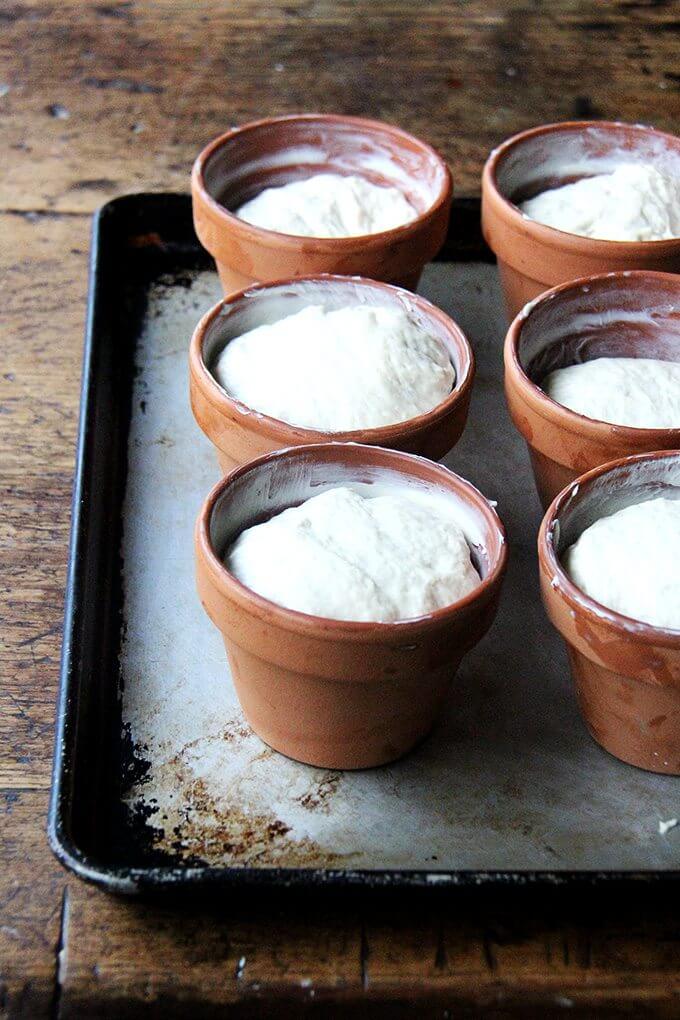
column 345, row 557
column 338, row 370
column 629, row 561
column 329, row 205
column 633, row 203
column 641, row 393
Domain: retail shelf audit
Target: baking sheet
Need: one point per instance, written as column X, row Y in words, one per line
column 509, row 780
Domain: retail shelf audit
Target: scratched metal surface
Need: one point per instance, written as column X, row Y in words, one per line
column 508, row 780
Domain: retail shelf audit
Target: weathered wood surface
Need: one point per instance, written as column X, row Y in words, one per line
column 424, row 958
column 111, row 97
column 104, row 98
column 43, row 264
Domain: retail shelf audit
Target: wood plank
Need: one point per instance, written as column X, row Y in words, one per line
column 43, row 265
column 31, row 895
column 138, row 954
column 315, row 958
column 138, row 88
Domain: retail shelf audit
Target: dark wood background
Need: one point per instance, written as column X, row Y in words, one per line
column 98, row 99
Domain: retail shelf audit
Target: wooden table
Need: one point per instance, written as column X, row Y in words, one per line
column 102, row 98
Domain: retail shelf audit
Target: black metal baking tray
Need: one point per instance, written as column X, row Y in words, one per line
column 136, row 240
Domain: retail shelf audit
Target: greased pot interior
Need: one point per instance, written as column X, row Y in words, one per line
column 618, row 315
column 272, row 484
column 604, row 492
column 240, row 433
column 563, row 153
column 281, row 150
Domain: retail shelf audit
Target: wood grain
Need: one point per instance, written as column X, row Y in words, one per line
column 43, row 263
column 138, row 88
column 320, row 958
column 32, row 889
column 44, row 269
column 112, row 96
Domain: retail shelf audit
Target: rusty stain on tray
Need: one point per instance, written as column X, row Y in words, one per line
column 200, row 829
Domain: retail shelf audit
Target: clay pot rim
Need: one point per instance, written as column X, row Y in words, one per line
column 576, row 244
column 319, row 245
column 346, row 630
column 552, row 410
column 290, row 434
column 575, row 597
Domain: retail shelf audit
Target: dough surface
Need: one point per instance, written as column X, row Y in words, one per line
column 344, row 557
column 630, row 562
column 643, row 393
column 338, row 370
column 634, row 203
column 328, row 205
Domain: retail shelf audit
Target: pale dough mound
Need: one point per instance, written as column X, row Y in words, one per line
column 630, row 562
column 634, row 203
column 351, row 368
column 643, row 393
column 329, row 205
column 344, row 557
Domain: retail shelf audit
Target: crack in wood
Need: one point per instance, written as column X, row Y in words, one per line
column 60, row 948
column 38, row 637
column 364, row 953
column 489, row 952
column 441, row 956
column 45, row 214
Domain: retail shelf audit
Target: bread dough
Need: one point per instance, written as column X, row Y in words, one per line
column 643, row 393
column 630, row 562
column 634, row 203
column 338, row 370
column 345, row 557
column 329, row 205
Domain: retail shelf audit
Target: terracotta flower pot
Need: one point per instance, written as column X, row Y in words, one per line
column 239, row 434
column 627, row 673
column 267, row 153
column 333, row 693
column 533, row 257
column 626, row 315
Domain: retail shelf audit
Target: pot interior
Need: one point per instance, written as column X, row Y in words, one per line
column 633, row 481
column 281, row 481
column 261, row 306
column 617, row 316
column 278, row 152
column 564, row 155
